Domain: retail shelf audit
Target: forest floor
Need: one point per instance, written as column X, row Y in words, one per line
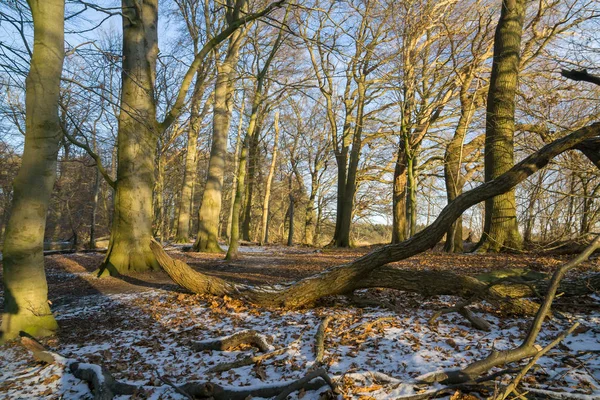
column 142, row 326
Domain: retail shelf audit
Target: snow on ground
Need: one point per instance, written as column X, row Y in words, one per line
column 137, row 336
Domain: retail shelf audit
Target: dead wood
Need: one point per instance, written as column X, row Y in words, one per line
column 354, row 275
column 39, row 351
column 249, row 337
column 249, row 360
column 312, row 381
column 320, row 340
column 517, row 379
column 528, row 348
column 476, row 321
column 102, row 384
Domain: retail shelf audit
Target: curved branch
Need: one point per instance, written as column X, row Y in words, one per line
column 348, row 277
column 174, row 112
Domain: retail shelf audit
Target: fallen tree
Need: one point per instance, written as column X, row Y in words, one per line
column 367, row 270
column 528, row 348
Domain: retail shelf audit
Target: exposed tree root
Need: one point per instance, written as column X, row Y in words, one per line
column 249, row 337
column 312, row 381
column 105, row 387
column 246, row 361
column 102, row 383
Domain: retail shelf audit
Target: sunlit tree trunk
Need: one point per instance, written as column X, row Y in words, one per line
column 191, row 163
column 234, row 242
column 501, row 230
column 290, row 213
column 265, row 209
column 453, row 176
column 399, row 196
column 236, row 161
column 310, row 219
column 411, row 196
column 26, row 305
column 208, row 215
column 137, row 142
column 530, row 219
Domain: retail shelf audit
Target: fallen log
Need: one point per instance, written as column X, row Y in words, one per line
column 349, row 277
column 528, row 348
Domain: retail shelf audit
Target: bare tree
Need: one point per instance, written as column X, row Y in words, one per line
column 26, row 305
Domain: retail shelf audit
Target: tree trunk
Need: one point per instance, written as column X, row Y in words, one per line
column 453, row 177
column 501, row 230
column 411, row 194
column 309, row 222
column 137, row 142
column 342, row 165
column 191, row 164
column 96, row 193
column 346, row 278
column 236, row 161
column 530, row 221
column 399, row 196
column 210, row 210
column 234, row 241
column 252, row 167
column 25, row 288
column 265, row 211
column 159, row 207
column 290, row 238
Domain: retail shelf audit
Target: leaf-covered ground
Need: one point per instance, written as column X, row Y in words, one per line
column 143, row 327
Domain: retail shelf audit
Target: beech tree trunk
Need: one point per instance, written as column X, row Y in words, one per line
column 252, row 167
column 501, row 230
column 191, row 164
column 265, row 210
column 309, row 221
column 453, row 176
column 351, row 276
column 137, row 144
column 26, row 305
column 234, row 242
column 399, row 196
column 236, row 161
column 210, row 210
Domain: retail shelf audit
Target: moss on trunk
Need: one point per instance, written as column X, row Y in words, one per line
column 26, row 305
column 501, row 230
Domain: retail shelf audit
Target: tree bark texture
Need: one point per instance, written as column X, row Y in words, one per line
column 137, row 143
column 25, row 288
column 210, row 210
column 501, row 230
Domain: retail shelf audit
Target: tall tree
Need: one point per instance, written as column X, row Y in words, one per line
column 26, row 305
column 139, row 130
column 189, row 10
column 260, row 92
column 264, row 233
column 501, row 230
column 369, row 33
column 210, row 210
